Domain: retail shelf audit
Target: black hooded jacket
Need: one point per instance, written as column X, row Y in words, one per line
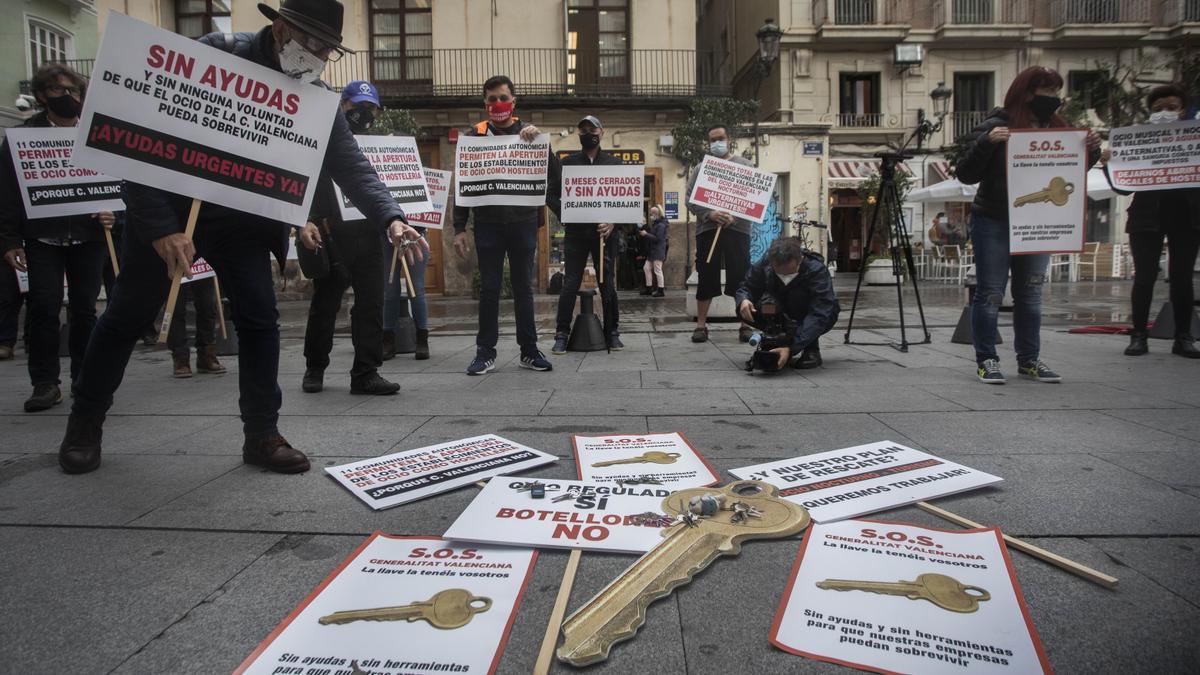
column 808, row 300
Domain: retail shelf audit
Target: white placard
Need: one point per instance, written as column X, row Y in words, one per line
column 1155, row 156
column 388, row 571
column 398, row 163
column 602, row 194
column 898, row 633
column 864, row 479
column 599, row 516
column 741, row 190
column 50, row 183
column 686, row 468
column 437, row 182
column 410, row 475
column 22, row 281
column 178, row 115
column 1037, row 160
column 501, row 170
column 200, row 270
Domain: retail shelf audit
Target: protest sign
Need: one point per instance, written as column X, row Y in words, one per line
column 410, row 475
column 22, row 281
column 50, row 183
column 437, row 182
column 501, row 170
column 984, row 628
column 573, row 514
column 863, row 479
column 743, row 191
column 667, row 459
column 200, row 270
column 1155, row 156
column 477, row 589
column 398, row 164
column 178, row 115
column 1047, row 190
column 602, row 194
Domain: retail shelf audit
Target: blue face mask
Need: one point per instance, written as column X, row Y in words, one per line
column 718, row 148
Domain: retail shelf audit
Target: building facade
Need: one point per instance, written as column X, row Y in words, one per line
column 39, row 31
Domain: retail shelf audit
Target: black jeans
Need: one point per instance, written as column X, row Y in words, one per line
column 576, row 249
column 11, row 300
column 203, row 295
column 1183, row 242
column 245, row 271
column 83, row 265
column 494, row 241
column 358, row 251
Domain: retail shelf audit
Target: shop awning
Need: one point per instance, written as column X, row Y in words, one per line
column 849, row 173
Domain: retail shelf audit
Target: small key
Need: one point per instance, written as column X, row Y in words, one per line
column 617, row 612
column 653, row 457
column 945, row 592
column 1058, row 192
column 449, row 609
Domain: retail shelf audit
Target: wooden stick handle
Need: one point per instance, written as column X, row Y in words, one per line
column 395, row 255
column 1071, row 566
column 600, row 279
column 716, row 236
column 412, row 291
column 220, row 308
column 173, row 296
column 542, row 666
column 112, row 252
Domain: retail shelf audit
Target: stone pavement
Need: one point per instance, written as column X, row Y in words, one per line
column 176, row 558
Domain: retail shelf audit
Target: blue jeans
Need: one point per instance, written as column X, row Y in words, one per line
column 494, row 241
column 992, row 266
column 393, row 302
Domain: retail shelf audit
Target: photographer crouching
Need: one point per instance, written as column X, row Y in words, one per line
column 788, row 297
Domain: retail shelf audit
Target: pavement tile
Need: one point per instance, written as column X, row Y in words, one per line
column 548, row 433
column 1021, row 394
column 470, row 402
column 675, row 352
column 709, row 401
column 559, row 378
column 838, row 399
column 1170, row 563
column 1184, row 423
column 1179, row 469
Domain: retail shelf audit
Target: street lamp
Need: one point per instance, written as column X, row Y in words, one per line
column 941, row 103
column 768, row 53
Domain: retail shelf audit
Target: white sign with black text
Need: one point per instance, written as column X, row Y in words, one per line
column 642, row 459
column 50, row 183
column 1155, row 156
column 438, row 184
column 398, row 163
column 741, row 190
column 1047, row 190
column 501, row 171
column 602, row 194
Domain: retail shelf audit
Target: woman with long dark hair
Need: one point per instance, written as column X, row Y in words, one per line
column 1032, row 102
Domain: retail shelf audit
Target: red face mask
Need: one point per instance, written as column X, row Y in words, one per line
column 500, row 111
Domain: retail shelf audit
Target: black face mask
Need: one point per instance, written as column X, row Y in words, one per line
column 359, row 119
column 64, row 106
column 589, row 141
column 1044, row 107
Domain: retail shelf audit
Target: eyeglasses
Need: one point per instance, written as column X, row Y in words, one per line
column 316, row 45
column 59, row 90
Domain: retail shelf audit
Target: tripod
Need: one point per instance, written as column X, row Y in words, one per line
column 887, row 200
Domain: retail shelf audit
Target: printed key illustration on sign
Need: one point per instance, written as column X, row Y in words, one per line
column 666, row 459
column 1058, row 192
column 448, row 609
column 655, row 457
column 946, row 592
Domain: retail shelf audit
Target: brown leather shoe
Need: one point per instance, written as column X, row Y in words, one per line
column 80, row 448
column 183, row 366
column 206, row 361
column 275, row 454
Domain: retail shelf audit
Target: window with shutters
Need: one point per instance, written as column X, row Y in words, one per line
column 46, row 45
column 401, row 41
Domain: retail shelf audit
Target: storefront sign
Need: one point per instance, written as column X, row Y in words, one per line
column 438, row 184
column 642, row 459
column 628, row 157
column 50, row 183
column 398, row 163
column 671, row 205
column 602, row 194
column 814, row 148
column 1047, row 190
column 501, row 170
column 735, row 188
column 1155, row 156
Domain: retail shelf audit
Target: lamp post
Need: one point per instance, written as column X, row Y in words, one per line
column 941, row 103
column 768, row 53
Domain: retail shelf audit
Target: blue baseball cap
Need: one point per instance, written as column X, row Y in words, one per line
column 360, row 90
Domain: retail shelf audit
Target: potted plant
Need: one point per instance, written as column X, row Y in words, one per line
column 879, row 270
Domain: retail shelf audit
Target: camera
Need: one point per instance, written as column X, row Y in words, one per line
column 773, row 330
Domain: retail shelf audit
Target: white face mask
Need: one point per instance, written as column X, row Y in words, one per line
column 944, row 221
column 1164, row 117
column 299, row 63
column 787, row 278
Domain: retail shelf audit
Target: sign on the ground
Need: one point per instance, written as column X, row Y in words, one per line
column 964, row 614
column 642, row 459
column 365, row 614
column 50, row 183
column 178, row 115
column 200, row 270
column 501, row 170
column 438, row 184
column 1155, row 156
column 410, row 475
column 864, row 479
column 572, row 514
column 602, row 194
column 1047, row 190
column 741, row 190
column 398, row 163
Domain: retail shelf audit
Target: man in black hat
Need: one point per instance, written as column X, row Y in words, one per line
column 582, row 240
column 303, row 35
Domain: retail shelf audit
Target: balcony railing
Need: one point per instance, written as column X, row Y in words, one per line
column 81, row 66
column 857, row 13
column 859, row 120
column 1181, row 11
column 960, row 123
column 1064, row 12
column 982, row 12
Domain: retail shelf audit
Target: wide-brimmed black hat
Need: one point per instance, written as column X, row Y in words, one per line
column 319, row 18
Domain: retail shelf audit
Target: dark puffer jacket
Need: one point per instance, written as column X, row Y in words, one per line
column 656, row 235
column 808, row 300
column 504, row 213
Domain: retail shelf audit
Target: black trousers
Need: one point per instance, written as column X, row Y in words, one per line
column 203, row 296
column 577, row 247
column 1182, row 242
column 733, row 249
column 356, row 257
column 11, row 300
column 83, row 265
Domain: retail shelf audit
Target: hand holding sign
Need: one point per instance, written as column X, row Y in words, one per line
column 177, row 251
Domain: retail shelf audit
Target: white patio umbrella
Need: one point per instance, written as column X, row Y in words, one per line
column 954, row 190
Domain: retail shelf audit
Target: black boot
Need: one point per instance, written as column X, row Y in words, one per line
column 422, row 352
column 373, row 385
column 80, row 448
column 809, row 358
column 1137, row 344
column 314, row 381
column 389, row 344
column 1185, row 346
column 658, row 292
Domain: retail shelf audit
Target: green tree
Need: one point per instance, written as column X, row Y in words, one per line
column 691, row 135
column 396, row 121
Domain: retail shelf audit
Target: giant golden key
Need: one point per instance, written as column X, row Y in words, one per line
column 1058, row 192
column 616, row 613
column 449, row 609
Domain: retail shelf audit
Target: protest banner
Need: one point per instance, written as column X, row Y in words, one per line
column 1155, row 156
column 409, row 475
column 863, row 479
column 51, row 184
column 743, row 191
column 501, row 170
column 200, row 270
column 22, row 281
column 573, row 514
column 602, row 194
column 1047, row 190
column 398, row 163
column 969, row 616
column 669, row 460
column 356, row 617
column 437, row 182
column 170, row 112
